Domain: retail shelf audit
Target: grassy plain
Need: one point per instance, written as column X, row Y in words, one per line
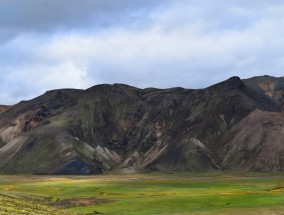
column 143, row 194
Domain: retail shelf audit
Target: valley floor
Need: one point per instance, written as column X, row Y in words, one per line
column 143, row 194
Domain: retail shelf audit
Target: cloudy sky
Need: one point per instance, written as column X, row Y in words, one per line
column 50, row 44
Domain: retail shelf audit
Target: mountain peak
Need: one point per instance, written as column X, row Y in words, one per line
column 232, row 83
column 234, row 80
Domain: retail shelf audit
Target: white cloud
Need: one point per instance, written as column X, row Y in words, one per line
column 64, row 75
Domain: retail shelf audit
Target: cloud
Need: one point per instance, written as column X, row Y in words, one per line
column 46, row 16
column 184, row 43
column 31, row 81
column 168, row 54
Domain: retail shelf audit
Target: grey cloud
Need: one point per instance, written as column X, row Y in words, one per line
column 17, row 16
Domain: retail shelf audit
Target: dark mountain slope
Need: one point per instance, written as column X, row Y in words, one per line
column 256, row 143
column 126, row 129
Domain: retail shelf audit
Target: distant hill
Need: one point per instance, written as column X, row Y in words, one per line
column 233, row 125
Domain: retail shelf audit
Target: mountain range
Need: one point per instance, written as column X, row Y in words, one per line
column 235, row 125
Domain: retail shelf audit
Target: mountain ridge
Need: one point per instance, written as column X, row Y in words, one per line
column 122, row 128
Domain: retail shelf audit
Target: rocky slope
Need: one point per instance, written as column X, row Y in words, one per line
column 234, row 125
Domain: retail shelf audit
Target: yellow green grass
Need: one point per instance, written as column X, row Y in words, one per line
column 14, row 204
column 143, row 194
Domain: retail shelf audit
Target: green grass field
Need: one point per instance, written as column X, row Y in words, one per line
column 143, row 194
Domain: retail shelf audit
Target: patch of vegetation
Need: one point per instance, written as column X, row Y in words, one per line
column 143, row 194
column 18, row 205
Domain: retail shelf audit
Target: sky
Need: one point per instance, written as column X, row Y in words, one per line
column 52, row 44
